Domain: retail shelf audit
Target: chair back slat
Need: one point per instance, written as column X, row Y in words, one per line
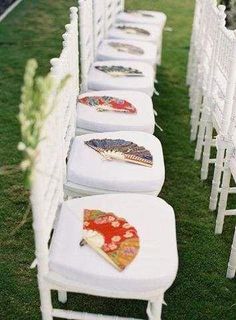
column 86, row 40
column 119, row 6
column 98, row 23
column 109, row 14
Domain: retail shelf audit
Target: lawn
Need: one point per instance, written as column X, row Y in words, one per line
column 201, row 290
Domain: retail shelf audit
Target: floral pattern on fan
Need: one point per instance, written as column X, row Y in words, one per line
column 110, row 236
column 120, row 71
column 121, row 150
column 133, row 30
column 140, row 13
column 106, row 103
column 126, row 47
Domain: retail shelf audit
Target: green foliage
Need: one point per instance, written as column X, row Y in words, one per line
column 37, row 102
column 34, row 109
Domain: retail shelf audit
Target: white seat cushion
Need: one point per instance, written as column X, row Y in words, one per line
column 157, row 18
column 154, row 35
column 98, row 80
column 156, row 264
column 86, row 167
column 89, row 118
column 148, row 51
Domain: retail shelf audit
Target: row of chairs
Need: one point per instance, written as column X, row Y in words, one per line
column 212, row 88
column 69, row 177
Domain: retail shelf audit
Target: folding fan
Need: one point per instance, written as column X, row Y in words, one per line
column 140, row 13
column 125, row 47
column 106, row 103
column 133, row 30
column 118, row 149
column 110, row 236
column 120, row 71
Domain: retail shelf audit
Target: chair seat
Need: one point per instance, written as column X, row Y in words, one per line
column 154, row 35
column 156, row 264
column 142, row 16
column 98, row 80
column 86, row 167
column 148, row 51
column 88, row 118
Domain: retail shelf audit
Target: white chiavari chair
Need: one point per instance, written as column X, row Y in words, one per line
column 212, row 17
column 222, row 102
column 226, row 144
column 117, row 49
column 62, row 265
column 94, row 79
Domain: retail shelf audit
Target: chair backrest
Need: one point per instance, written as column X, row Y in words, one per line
column 213, row 19
column 224, row 80
column 98, row 23
column 110, row 6
column 86, row 40
column 47, row 187
column 195, row 38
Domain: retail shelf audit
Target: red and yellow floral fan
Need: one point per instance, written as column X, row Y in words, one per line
column 106, row 103
column 110, row 236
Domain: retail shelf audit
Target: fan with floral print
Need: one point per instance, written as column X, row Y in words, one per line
column 133, row 30
column 126, row 47
column 120, row 71
column 106, row 103
column 111, row 236
column 121, row 150
column 140, row 13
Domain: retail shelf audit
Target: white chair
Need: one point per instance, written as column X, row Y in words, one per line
column 221, row 109
column 94, row 79
column 118, row 49
column 226, row 153
column 212, row 17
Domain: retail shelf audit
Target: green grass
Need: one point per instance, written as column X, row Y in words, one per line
column 201, row 290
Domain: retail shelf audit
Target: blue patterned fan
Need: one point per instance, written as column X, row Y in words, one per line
column 119, row 149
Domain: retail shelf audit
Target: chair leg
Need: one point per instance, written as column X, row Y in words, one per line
column 195, row 115
column 45, row 299
column 154, row 308
column 201, row 134
column 232, row 260
column 206, row 151
column 217, row 178
column 62, row 296
column 223, row 200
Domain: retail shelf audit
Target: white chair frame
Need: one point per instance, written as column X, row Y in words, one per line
column 212, row 17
